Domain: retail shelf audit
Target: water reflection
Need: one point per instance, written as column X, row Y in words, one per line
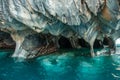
column 65, row 65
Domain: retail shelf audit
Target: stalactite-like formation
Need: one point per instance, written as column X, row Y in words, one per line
column 37, row 25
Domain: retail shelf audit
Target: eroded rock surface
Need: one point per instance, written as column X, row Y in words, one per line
column 40, row 24
column 6, row 42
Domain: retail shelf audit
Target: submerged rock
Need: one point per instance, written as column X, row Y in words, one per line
column 41, row 23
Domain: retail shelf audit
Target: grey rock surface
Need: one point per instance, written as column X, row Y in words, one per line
column 73, row 19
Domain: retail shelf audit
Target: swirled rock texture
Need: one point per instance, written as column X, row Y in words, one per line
column 37, row 25
column 6, row 42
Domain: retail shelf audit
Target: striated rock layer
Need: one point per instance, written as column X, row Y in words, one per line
column 39, row 26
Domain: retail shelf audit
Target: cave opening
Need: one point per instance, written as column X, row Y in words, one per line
column 98, row 44
column 108, row 42
column 64, row 43
column 83, row 43
column 6, row 41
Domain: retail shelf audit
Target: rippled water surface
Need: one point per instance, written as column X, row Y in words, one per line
column 65, row 65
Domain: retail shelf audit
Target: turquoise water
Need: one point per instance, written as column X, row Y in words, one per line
column 65, row 65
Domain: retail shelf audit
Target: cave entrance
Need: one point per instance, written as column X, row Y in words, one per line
column 64, row 43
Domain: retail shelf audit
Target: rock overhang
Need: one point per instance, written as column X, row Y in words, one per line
column 52, row 19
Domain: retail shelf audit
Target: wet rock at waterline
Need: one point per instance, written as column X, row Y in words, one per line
column 40, row 24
